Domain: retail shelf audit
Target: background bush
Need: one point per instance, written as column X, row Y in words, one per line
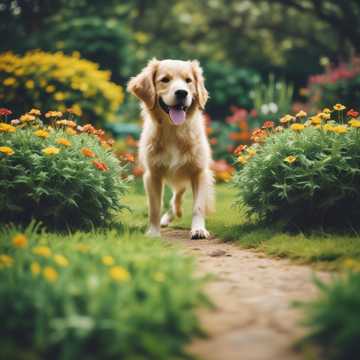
column 61, row 190
column 49, row 81
column 102, row 296
column 333, row 319
column 320, row 187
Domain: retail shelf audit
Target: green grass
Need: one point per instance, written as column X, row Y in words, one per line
column 324, row 250
column 83, row 305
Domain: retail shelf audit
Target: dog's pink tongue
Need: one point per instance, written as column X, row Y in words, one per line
column 177, row 116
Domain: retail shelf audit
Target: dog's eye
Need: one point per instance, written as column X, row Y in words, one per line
column 188, row 80
column 165, row 79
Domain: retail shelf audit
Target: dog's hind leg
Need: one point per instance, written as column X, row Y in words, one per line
column 174, row 209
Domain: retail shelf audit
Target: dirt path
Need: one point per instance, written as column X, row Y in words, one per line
column 253, row 319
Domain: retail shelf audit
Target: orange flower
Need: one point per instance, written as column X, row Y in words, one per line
column 100, row 165
column 353, row 113
column 128, row 157
column 63, row 141
column 87, row 152
column 240, row 149
column 268, row 124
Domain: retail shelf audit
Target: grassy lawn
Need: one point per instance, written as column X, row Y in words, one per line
column 99, row 295
column 328, row 251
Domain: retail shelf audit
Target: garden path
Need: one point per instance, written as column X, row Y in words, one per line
column 253, row 319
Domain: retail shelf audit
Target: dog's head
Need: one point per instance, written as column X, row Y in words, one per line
column 172, row 86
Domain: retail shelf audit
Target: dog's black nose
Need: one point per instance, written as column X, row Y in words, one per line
column 181, row 94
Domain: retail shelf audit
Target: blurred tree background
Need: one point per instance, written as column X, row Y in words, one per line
column 238, row 42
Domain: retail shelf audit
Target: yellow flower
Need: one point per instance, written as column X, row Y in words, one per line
column 251, row 152
column 9, row 81
column 119, row 274
column 59, row 96
column 50, row 89
column 19, row 240
column 301, row 114
column 6, row 261
column 315, row 120
column 329, row 127
column 29, row 84
column 7, row 128
column 297, row 127
column 61, row 260
column 76, row 109
column 27, row 118
column 50, row 274
column 339, row 107
column 340, row 129
column 35, row 112
column 354, row 123
column 326, row 111
column 41, row 133
column 287, row 118
column 242, row 160
column 290, row 159
column 352, row 264
column 324, row 116
column 70, row 131
column 7, row 150
column 51, row 150
column 107, row 260
column 50, row 114
column 35, row 268
column 63, row 141
column 82, row 247
column 42, row 251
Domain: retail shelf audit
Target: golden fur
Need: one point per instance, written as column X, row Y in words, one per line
column 174, row 154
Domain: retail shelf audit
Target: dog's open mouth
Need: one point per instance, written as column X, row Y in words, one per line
column 176, row 113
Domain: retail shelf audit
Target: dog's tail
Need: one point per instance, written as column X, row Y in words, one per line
column 210, row 192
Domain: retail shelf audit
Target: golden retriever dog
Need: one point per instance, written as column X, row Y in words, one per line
column 173, row 146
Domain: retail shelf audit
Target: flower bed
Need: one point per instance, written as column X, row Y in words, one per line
column 61, row 174
column 305, row 172
column 58, row 81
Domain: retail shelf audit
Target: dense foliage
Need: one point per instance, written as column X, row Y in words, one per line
column 340, row 82
column 58, row 81
column 103, row 296
column 333, row 319
column 58, row 175
column 307, row 174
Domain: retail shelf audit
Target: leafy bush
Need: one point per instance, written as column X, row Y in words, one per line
column 333, row 319
column 102, row 296
column 341, row 82
column 307, row 174
column 57, row 175
column 229, row 86
column 58, row 81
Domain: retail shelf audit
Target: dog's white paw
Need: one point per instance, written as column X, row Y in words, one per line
column 153, row 232
column 166, row 220
column 199, row 234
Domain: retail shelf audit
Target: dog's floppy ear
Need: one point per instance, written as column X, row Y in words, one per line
column 201, row 92
column 143, row 86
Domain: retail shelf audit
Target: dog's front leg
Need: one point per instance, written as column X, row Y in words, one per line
column 154, row 189
column 199, row 185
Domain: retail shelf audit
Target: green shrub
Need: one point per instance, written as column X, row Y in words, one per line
column 333, row 319
column 306, row 175
column 62, row 180
column 102, row 296
column 56, row 81
column 229, row 86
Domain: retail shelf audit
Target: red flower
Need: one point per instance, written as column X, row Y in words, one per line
column 240, row 149
column 268, row 124
column 353, row 113
column 5, row 112
column 100, row 165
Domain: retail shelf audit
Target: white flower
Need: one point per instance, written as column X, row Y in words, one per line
column 273, row 108
column 264, row 109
